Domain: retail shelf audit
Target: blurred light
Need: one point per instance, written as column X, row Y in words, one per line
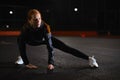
column 7, row 26
column 75, row 9
column 11, row 12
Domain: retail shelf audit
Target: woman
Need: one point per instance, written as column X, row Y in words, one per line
column 37, row 32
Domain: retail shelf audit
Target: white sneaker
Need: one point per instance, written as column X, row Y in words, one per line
column 19, row 60
column 92, row 62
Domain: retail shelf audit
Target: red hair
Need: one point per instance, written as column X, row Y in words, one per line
column 32, row 12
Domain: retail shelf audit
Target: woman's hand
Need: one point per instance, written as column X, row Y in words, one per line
column 50, row 67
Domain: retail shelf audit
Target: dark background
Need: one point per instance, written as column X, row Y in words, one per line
column 92, row 15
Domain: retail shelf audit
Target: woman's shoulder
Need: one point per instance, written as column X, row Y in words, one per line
column 47, row 26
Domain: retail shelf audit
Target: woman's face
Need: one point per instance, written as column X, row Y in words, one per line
column 36, row 20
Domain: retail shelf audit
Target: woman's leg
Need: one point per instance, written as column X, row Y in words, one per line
column 22, row 49
column 23, row 57
column 60, row 45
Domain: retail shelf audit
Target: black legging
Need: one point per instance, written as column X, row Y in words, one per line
column 61, row 46
column 56, row 44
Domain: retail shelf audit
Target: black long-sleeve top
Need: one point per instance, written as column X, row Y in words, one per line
column 34, row 36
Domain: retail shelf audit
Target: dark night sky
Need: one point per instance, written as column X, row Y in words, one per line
column 91, row 14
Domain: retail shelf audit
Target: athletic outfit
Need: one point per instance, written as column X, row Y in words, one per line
column 43, row 36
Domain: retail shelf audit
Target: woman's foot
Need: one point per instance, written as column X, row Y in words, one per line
column 92, row 62
column 31, row 66
column 19, row 60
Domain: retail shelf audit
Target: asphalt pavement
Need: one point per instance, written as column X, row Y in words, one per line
column 67, row 67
